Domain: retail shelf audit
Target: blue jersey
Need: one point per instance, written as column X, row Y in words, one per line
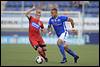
column 58, row 24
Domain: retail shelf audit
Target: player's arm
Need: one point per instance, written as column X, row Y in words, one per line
column 49, row 29
column 71, row 21
column 72, row 24
column 42, row 28
column 29, row 11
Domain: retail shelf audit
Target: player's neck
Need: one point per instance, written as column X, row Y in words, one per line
column 37, row 17
column 55, row 16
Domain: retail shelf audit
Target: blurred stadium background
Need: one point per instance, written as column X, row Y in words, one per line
column 14, row 24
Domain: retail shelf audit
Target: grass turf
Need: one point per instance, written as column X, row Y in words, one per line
column 24, row 55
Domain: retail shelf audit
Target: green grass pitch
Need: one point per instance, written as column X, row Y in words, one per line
column 24, row 55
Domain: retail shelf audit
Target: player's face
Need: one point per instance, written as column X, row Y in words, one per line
column 53, row 13
column 38, row 14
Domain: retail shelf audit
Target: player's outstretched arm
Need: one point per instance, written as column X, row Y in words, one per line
column 29, row 11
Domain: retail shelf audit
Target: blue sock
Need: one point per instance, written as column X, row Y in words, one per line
column 61, row 47
column 71, row 52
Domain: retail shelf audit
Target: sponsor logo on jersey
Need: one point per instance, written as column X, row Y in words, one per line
column 35, row 25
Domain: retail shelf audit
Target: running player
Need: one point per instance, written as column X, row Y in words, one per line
column 35, row 37
column 58, row 23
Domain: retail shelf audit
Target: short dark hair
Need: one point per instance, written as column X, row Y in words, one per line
column 54, row 9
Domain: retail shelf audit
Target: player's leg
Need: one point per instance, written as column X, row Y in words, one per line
column 44, row 49
column 43, row 46
column 36, row 46
column 60, row 44
column 68, row 50
column 61, row 47
column 41, row 52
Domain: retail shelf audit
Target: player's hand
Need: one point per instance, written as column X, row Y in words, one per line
column 44, row 30
column 49, row 33
column 73, row 30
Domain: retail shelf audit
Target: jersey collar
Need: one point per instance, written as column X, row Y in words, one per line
column 54, row 18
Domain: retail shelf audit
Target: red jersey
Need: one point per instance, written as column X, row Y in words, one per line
column 34, row 26
column 34, row 31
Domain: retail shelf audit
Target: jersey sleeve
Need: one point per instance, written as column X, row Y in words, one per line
column 64, row 18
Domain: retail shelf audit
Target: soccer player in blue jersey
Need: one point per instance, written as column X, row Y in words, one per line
column 58, row 23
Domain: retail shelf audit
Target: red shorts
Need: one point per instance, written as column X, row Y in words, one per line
column 36, row 40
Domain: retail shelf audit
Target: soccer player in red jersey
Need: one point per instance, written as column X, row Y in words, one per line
column 35, row 38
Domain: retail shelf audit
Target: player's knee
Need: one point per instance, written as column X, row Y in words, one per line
column 65, row 46
column 39, row 49
column 59, row 42
column 43, row 46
